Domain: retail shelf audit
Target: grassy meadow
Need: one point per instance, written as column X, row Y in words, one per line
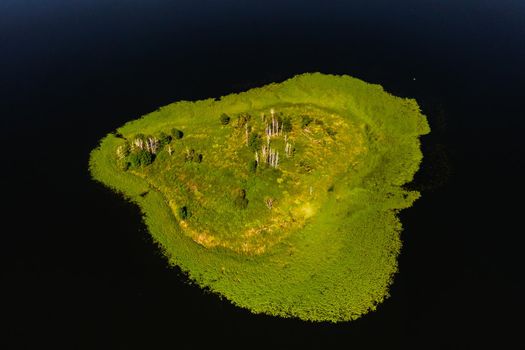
column 282, row 199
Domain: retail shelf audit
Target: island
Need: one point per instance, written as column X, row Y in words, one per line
column 282, row 199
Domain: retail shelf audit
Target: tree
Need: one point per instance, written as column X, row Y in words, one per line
column 287, row 124
column 145, row 158
column 252, row 166
column 177, row 134
column 225, row 119
column 140, row 158
column 184, row 212
column 254, row 141
column 239, row 198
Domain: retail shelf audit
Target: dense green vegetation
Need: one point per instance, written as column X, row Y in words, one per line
column 282, row 199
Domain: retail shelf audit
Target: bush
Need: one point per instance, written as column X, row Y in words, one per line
column 176, row 133
column 254, row 141
column 305, row 121
column 225, row 119
column 252, row 166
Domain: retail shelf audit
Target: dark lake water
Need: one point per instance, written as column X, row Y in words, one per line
column 79, row 268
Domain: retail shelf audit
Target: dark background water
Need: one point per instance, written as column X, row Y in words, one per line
column 79, row 268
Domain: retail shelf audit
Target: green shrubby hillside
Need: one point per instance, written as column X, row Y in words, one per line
column 283, row 199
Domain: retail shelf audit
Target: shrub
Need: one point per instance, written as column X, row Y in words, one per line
column 176, row 133
column 225, row 119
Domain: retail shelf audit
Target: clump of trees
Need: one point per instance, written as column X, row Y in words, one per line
column 275, row 126
column 151, row 144
column 270, row 156
column 142, row 150
column 140, row 158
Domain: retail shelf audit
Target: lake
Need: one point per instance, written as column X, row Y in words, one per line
column 80, row 268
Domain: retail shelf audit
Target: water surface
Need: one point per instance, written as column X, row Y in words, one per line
column 80, row 265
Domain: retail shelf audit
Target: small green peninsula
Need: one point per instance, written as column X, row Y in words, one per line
column 282, row 199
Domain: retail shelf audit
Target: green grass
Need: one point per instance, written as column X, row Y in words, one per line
column 327, row 248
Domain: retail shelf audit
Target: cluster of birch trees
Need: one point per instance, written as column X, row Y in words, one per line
column 149, row 144
column 274, row 127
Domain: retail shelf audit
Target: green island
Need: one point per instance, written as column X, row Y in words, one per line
column 282, row 199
